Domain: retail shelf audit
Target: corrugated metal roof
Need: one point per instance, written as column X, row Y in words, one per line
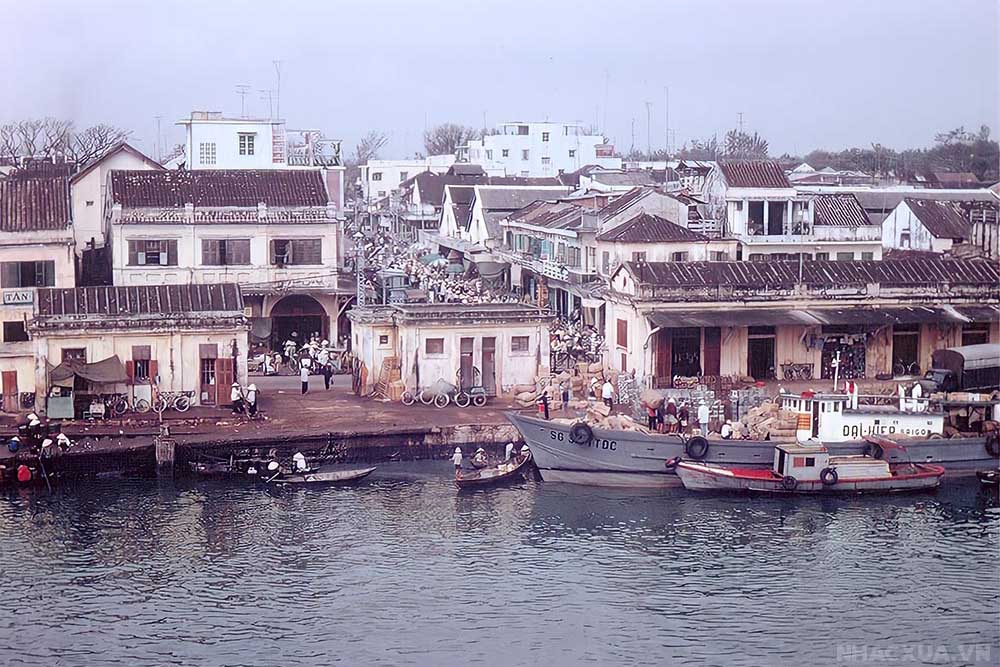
column 944, row 220
column 647, row 228
column 818, row 316
column 116, row 301
column 513, row 198
column 786, row 273
column 621, row 203
column 754, row 174
column 218, row 187
column 841, row 210
column 34, row 204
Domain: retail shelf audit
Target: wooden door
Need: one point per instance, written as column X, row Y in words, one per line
column 489, row 366
column 664, row 355
column 9, row 379
column 466, row 362
column 712, row 358
column 223, row 379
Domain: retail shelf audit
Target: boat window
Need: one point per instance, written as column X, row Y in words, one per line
column 810, row 462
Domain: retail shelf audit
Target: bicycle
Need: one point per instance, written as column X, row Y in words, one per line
column 903, row 369
column 118, row 404
column 475, row 395
column 793, row 371
column 177, row 400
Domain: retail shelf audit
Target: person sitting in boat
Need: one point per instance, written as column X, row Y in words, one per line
column 727, row 430
column 63, row 442
column 479, row 459
column 251, row 400
column 13, row 444
column 508, row 451
column 745, row 431
column 299, row 462
column 236, row 398
column 524, row 452
column 456, row 459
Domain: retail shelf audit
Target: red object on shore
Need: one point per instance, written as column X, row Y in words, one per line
column 23, row 473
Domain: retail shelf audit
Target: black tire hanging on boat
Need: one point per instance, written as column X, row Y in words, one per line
column 696, row 447
column 828, row 476
column 580, row 433
column 993, row 443
column 789, row 483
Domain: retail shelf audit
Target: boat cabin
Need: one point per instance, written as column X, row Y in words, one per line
column 806, row 463
column 838, row 417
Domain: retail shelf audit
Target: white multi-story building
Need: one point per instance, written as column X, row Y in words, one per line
column 379, row 178
column 274, row 232
column 216, row 142
column 539, row 149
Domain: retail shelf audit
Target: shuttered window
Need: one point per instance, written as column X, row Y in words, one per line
column 146, row 252
column 296, row 251
column 622, row 334
column 225, row 252
column 28, row 274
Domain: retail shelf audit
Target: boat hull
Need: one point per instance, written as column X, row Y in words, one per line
column 327, row 477
column 635, row 459
column 492, row 476
column 699, row 477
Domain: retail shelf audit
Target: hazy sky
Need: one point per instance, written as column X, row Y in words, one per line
column 804, row 73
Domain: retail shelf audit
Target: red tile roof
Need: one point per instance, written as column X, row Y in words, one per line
column 754, row 174
column 647, row 228
column 34, row 204
column 914, row 272
column 219, row 187
column 842, row 210
column 942, row 219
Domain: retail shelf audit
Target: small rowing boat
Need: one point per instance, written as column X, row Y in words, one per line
column 494, row 475
column 810, row 469
column 320, row 476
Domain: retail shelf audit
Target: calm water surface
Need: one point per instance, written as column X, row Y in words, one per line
column 405, row 570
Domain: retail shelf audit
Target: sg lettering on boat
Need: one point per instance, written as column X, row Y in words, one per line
column 596, row 443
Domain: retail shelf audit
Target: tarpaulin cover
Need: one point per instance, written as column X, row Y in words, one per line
column 106, row 371
column 260, row 327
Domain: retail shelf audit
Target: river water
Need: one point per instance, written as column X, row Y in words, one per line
column 403, row 569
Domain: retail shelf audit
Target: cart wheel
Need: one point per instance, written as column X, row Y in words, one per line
column 442, row 400
column 426, row 398
column 160, row 404
column 462, row 399
column 140, row 405
column 119, row 407
column 407, row 398
column 182, row 403
column 479, row 401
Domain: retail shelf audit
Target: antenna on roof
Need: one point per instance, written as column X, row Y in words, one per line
column 242, row 89
column 277, row 101
column 268, row 96
column 739, row 115
column 666, row 121
column 649, row 140
column 158, row 137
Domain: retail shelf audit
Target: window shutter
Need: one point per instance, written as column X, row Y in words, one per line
column 171, row 254
column 10, row 274
column 274, row 254
column 209, row 252
column 153, row 370
column 622, row 334
column 130, row 371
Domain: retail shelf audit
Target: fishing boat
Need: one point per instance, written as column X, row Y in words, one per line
column 320, row 476
column 494, row 475
column 810, row 469
column 577, row 452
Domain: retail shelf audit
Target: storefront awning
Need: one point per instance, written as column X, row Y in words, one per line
column 107, row 371
column 820, row 316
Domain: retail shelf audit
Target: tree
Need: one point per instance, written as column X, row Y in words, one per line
column 445, row 139
column 368, row 148
column 743, row 146
column 701, row 150
column 50, row 138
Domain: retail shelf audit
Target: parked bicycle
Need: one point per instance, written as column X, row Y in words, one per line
column 118, row 405
column 904, row 369
column 475, row 394
column 176, row 400
column 440, row 394
column 797, row 371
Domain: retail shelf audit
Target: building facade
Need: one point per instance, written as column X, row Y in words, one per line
column 539, row 149
column 381, row 178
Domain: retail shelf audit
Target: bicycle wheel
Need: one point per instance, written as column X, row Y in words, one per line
column 118, row 406
column 426, row 398
column 899, row 370
column 140, row 405
column 182, row 403
column 407, row 398
column 462, row 399
column 479, row 401
column 442, row 400
column 160, row 404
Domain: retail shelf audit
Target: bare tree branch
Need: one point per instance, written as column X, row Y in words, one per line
column 446, row 138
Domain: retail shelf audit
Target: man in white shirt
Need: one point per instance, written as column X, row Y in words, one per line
column 508, row 451
column 304, row 376
column 703, row 416
column 608, row 393
column 456, row 458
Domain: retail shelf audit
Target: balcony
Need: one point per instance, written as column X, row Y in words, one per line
column 817, row 234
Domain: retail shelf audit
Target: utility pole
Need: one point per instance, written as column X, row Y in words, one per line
column 739, row 115
column 649, row 140
column 158, row 138
column 666, row 120
column 277, row 104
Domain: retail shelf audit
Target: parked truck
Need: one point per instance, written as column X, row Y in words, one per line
column 965, row 368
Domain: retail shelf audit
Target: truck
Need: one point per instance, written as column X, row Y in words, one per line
column 964, row 368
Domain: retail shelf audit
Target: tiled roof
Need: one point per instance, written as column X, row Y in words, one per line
column 34, row 204
column 122, row 146
column 634, row 178
column 552, row 215
column 754, row 174
column 839, row 211
column 154, row 300
column 647, row 228
column 513, row 198
column 219, row 187
column 621, row 203
column 914, row 272
column 942, row 219
column 432, row 185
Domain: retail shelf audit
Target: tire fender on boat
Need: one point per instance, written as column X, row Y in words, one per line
column 993, row 443
column 789, row 483
column 581, row 433
column 828, row 476
column 696, row 447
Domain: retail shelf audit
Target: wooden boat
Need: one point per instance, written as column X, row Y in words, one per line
column 320, row 476
column 494, row 475
column 989, row 478
column 809, row 469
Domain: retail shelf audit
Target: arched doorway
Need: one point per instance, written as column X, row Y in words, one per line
column 298, row 314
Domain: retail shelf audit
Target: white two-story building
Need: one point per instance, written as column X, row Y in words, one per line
column 274, row 232
column 36, row 250
column 539, row 149
column 762, row 210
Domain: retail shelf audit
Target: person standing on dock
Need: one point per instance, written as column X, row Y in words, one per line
column 703, row 415
column 236, row 397
column 323, row 359
column 456, row 458
column 251, row 400
column 608, row 393
column 304, row 376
